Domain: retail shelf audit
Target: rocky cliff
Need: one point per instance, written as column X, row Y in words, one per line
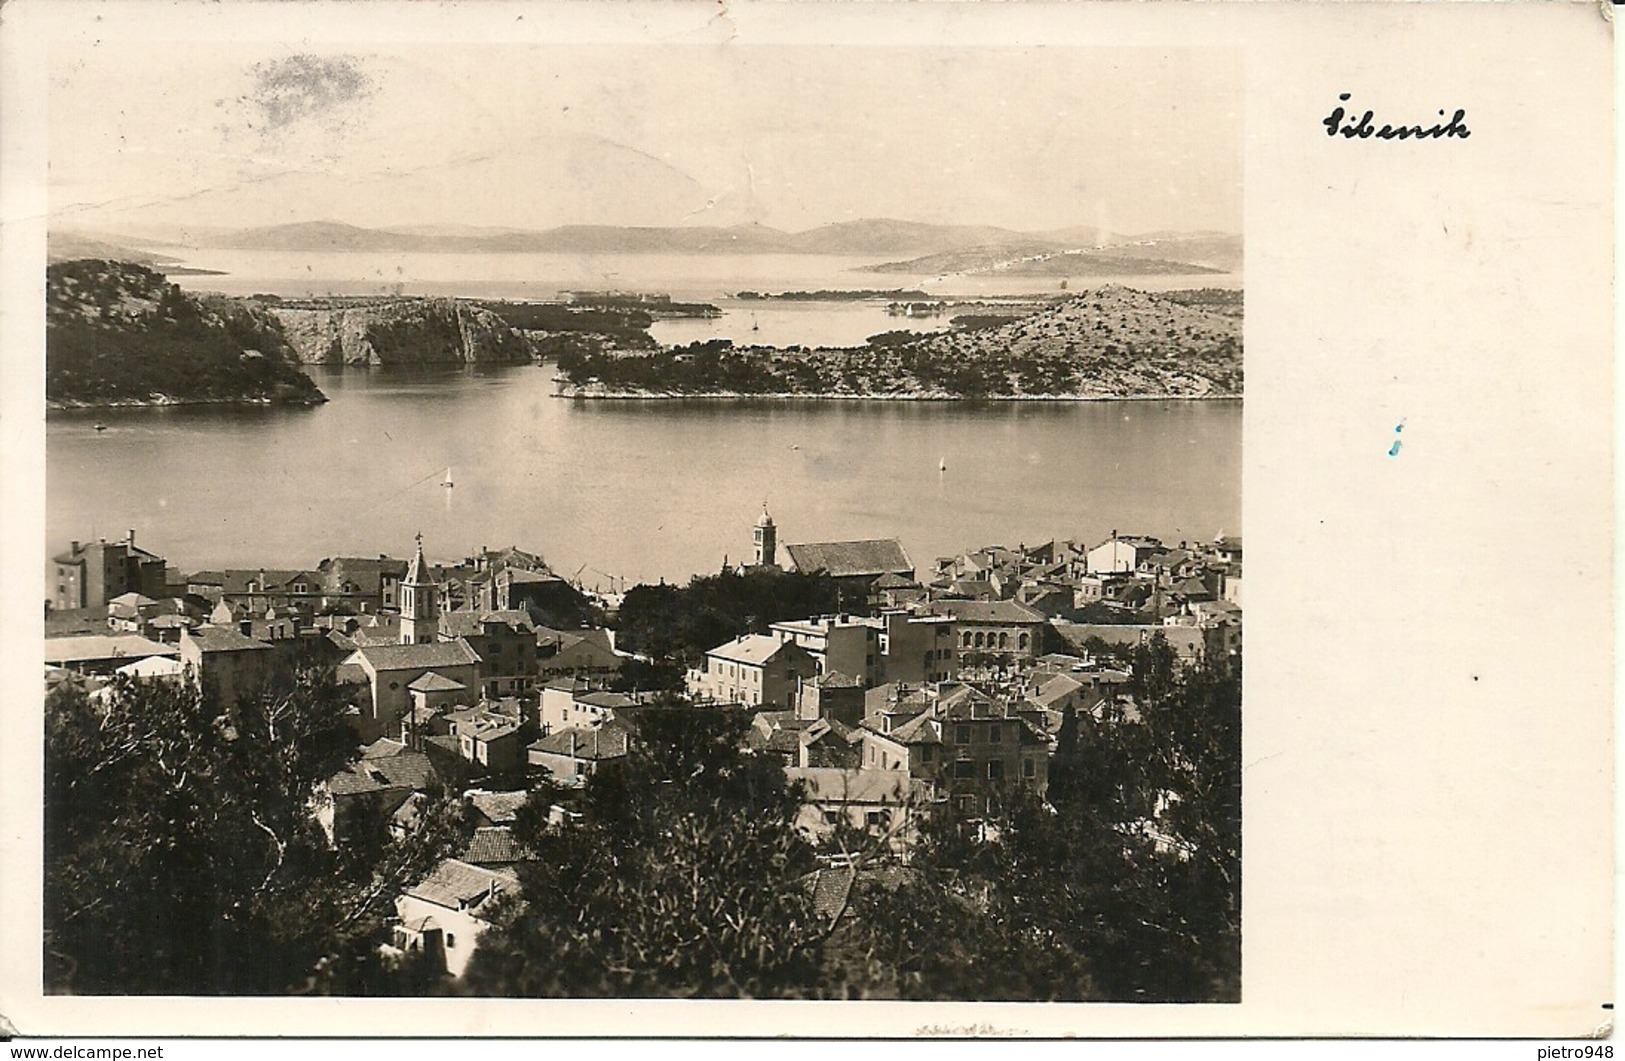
column 403, row 331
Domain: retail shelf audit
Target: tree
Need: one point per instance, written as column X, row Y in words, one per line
column 182, row 855
column 684, row 878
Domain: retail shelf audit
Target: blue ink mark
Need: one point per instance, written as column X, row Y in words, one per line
column 1393, row 451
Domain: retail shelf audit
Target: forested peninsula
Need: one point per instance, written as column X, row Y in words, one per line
column 1112, row 342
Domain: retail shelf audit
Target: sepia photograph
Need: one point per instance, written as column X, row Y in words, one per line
column 581, row 520
column 644, row 522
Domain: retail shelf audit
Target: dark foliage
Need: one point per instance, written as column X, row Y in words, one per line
column 684, row 878
column 182, row 855
column 121, row 332
column 677, row 624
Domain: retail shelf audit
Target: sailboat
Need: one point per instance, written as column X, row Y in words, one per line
column 942, row 465
column 753, row 325
column 100, row 426
column 448, row 484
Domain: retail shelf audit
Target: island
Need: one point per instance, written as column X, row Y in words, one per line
column 1110, row 343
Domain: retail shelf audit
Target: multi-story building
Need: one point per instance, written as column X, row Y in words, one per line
column 756, row 670
column 839, row 643
column 90, row 574
column 966, row 746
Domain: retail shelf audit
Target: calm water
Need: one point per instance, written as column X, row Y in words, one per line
column 795, row 323
column 637, row 490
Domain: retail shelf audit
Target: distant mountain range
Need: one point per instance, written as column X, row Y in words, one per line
column 862, row 238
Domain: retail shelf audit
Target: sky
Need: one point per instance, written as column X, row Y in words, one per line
column 1127, row 139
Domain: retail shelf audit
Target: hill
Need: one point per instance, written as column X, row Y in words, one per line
column 857, row 238
column 1042, row 259
column 1114, row 342
column 398, row 331
column 118, row 333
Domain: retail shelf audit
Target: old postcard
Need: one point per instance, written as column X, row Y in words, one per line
column 624, row 505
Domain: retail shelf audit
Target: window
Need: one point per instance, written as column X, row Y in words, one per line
column 1029, row 768
column 961, row 734
column 981, row 642
column 394, row 685
column 964, row 769
column 967, row 639
column 833, row 817
column 451, row 941
column 995, row 733
column 927, row 753
column 874, row 819
column 995, row 769
column 1021, row 642
column 494, row 647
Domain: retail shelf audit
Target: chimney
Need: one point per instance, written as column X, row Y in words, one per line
column 75, row 545
column 131, row 538
column 1114, row 534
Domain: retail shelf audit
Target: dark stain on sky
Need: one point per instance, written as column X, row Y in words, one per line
column 288, row 91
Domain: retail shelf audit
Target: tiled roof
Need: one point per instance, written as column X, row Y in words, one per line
column 224, row 639
column 80, row 648
column 457, row 885
column 407, row 770
column 752, row 649
column 409, row 657
column 608, row 741
column 132, row 600
column 892, row 580
column 498, row 807
column 829, row 888
column 382, row 748
column 851, row 559
column 432, row 682
column 997, row 611
column 493, row 843
column 836, row 680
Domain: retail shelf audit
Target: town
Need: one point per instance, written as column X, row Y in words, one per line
column 893, row 699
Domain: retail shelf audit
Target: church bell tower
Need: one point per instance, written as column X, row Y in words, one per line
column 420, row 605
column 766, row 538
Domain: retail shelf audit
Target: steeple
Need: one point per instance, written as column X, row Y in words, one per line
column 420, row 608
column 766, row 538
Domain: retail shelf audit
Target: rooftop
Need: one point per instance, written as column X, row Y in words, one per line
column 875, row 557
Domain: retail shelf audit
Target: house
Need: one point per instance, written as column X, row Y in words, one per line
column 756, row 670
column 388, row 670
column 443, row 915
column 1119, row 554
column 363, row 583
column 588, row 653
column 491, row 741
column 91, row 574
column 567, row 702
column 154, row 668
column 831, row 695
column 578, row 752
column 226, row 664
column 505, row 641
column 262, row 589
column 855, row 566
column 837, row 643
column 877, row 802
column 383, row 781
column 966, row 746
column 917, row 647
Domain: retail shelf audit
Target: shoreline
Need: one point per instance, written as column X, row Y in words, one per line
column 607, row 395
column 164, row 400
